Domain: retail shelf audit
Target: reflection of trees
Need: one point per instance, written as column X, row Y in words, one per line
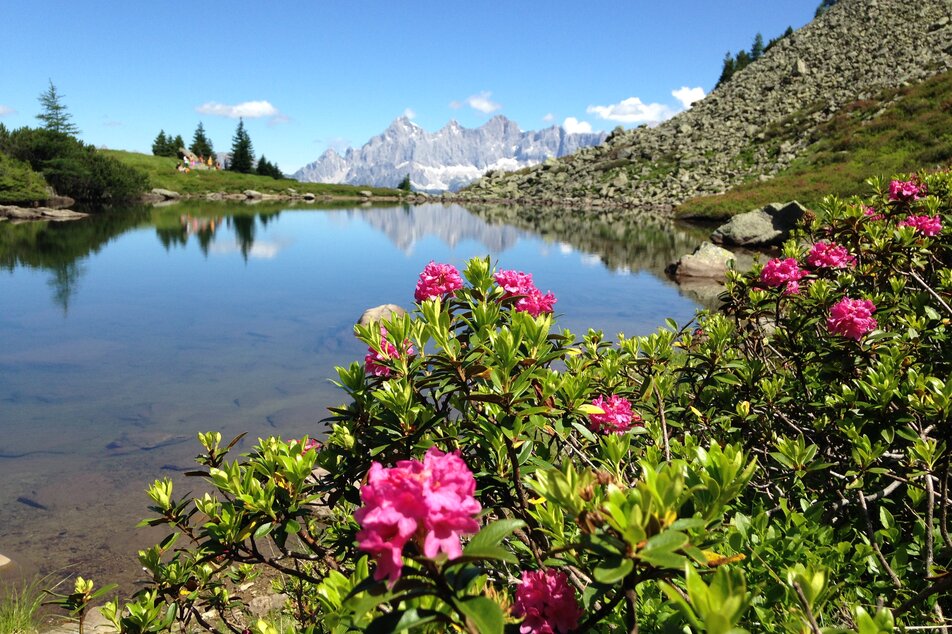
column 175, row 223
column 244, row 227
column 60, row 247
column 622, row 240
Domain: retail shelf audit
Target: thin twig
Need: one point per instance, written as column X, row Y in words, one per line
column 928, row 289
column 872, row 541
column 814, row 626
column 664, row 422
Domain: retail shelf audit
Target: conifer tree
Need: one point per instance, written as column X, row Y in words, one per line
column 176, row 145
column 727, row 70
column 405, row 184
column 161, row 144
column 201, row 145
column 242, row 152
column 757, row 49
column 54, row 115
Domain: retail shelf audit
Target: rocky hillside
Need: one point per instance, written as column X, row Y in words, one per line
column 754, row 125
column 444, row 160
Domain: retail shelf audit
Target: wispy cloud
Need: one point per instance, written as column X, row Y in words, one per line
column 549, row 117
column 574, row 126
column 688, row 96
column 244, row 110
column 633, row 110
column 6, row 110
column 480, row 102
column 409, row 113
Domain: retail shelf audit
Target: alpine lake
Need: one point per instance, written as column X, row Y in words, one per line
column 124, row 334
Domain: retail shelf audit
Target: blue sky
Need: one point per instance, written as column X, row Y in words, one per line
column 309, row 75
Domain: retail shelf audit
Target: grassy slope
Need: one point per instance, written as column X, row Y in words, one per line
column 162, row 173
column 900, row 132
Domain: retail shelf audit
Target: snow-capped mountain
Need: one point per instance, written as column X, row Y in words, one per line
column 447, row 159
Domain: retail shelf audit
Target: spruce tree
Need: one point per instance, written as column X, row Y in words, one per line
column 727, row 70
column 757, row 49
column 176, row 145
column 201, row 145
column 405, row 184
column 161, row 144
column 54, row 115
column 242, row 152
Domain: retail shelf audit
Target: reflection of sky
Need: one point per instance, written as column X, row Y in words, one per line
column 163, row 343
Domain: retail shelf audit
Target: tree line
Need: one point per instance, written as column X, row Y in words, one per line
column 241, row 158
column 51, row 156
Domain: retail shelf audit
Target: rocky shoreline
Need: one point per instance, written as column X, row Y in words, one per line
column 15, row 214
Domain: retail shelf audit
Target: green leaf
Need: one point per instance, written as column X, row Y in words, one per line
column 399, row 621
column 493, row 534
column 612, row 571
column 482, row 614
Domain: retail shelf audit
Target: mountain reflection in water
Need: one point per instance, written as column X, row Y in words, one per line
column 124, row 334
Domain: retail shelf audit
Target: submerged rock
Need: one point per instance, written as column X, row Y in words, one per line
column 708, row 261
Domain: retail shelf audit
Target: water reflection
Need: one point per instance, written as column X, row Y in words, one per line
column 201, row 316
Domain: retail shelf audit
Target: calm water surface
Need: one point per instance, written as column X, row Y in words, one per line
column 123, row 335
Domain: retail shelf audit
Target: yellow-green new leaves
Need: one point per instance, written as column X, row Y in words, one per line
column 716, row 608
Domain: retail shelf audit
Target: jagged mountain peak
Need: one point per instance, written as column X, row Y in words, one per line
column 447, row 159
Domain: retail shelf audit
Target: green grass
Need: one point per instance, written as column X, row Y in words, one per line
column 900, row 132
column 162, row 173
column 19, row 608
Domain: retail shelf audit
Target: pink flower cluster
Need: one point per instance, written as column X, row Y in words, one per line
column 926, row 225
column 437, row 280
column 531, row 300
column 870, row 213
column 852, row 318
column 547, row 602
column 374, row 360
column 430, row 503
column 310, row 443
column 618, row 417
column 780, row 272
column 903, row 191
column 825, row 254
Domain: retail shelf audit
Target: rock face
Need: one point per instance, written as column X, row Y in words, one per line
column 764, row 227
column 445, row 160
column 746, row 128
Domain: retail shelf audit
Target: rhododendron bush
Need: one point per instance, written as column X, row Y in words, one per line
column 781, row 465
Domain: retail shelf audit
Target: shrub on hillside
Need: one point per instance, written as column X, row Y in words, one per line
column 19, row 183
column 73, row 168
column 778, row 467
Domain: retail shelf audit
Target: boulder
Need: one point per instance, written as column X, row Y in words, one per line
column 24, row 214
column 252, row 194
column 707, row 261
column 764, row 227
column 366, row 193
column 166, row 194
column 380, row 313
column 4, row 561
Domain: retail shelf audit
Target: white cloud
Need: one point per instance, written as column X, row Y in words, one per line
column 573, row 125
column 549, row 118
column 456, row 105
column 481, row 102
column 633, row 110
column 6, row 110
column 688, row 96
column 246, row 109
column 409, row 113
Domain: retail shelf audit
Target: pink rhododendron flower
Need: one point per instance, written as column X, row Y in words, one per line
column 618, row 417
column 430, row 503
column 905, row 190
column 852, row 318
column 547, row 602
column 437, row 280
column 783, row 272
column 374, row 360
column 517, row 283
column 870, row 213
column 830, row 255
column 926, row 225
column 310, row 443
